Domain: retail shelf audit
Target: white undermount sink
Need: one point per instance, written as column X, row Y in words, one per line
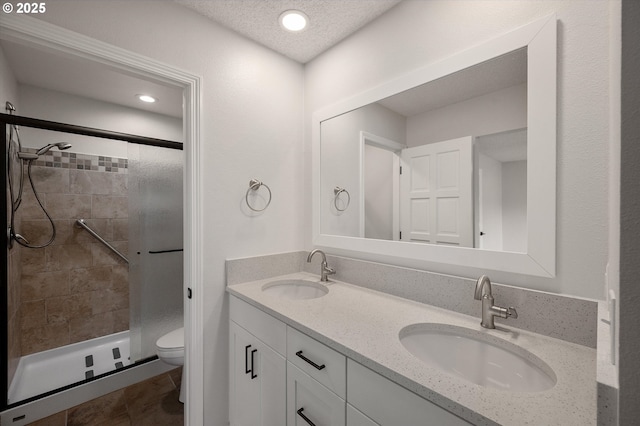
column 295, row 289
column 478, row 357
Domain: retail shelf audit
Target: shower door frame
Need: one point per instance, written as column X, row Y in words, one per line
column 8, row 120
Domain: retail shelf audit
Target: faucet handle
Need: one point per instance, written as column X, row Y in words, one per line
column 511, row 312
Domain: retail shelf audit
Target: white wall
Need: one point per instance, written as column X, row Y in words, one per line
column 416, row 33
column 251, row 127
column 495, row 112
column 378, row 188
column 8, row 84
column 341, row 155
column 514, row 206
column 489, row 196
column 60, row 107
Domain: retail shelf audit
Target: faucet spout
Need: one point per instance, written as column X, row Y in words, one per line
column 324, row 257
column 324, row 268
column 489, row 310
column 483, row 287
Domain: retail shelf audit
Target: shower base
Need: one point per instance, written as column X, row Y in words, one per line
column 60, row 374
column 56, row 368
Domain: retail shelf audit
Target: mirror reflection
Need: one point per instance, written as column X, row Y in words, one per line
column 443, row 163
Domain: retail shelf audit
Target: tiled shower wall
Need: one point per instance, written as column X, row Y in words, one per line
column 75, row 289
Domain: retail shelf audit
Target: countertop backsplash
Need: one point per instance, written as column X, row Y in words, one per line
column 570, row 319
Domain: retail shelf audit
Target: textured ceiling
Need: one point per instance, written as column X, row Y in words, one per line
column 330, row 21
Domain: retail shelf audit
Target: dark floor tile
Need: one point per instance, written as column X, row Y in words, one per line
column 166, row 412
column 150, row 391
column 99, row 410
column 123, row 420
column 176, row 376
column 153, row 402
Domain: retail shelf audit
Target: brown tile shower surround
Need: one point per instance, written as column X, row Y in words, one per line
column 75, row 289
column 153, row 402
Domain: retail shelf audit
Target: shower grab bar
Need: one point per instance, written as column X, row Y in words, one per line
column 80, row 223
column 164, row 251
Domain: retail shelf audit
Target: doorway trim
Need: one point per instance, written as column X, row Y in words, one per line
column 45, row 36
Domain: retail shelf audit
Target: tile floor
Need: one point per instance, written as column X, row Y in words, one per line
column 153, row 402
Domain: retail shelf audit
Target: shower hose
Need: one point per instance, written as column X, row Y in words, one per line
column 14, row 139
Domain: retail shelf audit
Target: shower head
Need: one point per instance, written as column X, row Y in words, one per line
column 59, row 145
column 9, row 107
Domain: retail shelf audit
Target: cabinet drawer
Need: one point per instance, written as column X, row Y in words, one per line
column 310, row 403
column 390, row 404
column 271, row 331
column 317, row 360
column 356, row 418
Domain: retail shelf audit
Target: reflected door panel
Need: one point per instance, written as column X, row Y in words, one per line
column 436, row 200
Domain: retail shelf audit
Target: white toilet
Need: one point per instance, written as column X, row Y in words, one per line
column 170, row 349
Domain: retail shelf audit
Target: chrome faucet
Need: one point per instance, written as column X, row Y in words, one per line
column 324, row 269
column 489, row 311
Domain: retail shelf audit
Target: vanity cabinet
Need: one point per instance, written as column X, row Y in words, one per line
column 319, row 361
column 257, row 367
column 280, row 376
column 311, row 404
column 316, row 382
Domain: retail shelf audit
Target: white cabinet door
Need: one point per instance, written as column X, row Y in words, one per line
column 311, row 404
column 356, row 418
column 257, row 380
column 436, row 202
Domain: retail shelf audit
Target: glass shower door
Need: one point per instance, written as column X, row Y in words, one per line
column 155, row 245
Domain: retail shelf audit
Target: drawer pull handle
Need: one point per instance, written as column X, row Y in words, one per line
column 253, row 375
column 247, row 370
column 305, row 418
column 318, row 367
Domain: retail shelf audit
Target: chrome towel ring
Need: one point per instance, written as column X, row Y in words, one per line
column 337, row 191
column 254, row 185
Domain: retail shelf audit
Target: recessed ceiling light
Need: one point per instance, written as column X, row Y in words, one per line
column 293, row 20
column 146, row 98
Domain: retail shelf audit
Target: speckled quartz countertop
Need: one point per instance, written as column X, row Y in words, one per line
column 364, row 324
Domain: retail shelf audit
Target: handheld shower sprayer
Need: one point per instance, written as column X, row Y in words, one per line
column 24, row 158
column 30, row 156
column 47, row 148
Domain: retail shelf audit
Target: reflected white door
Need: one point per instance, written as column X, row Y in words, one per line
column 436, row 203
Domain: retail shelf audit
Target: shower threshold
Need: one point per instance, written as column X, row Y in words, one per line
column 53, row 369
